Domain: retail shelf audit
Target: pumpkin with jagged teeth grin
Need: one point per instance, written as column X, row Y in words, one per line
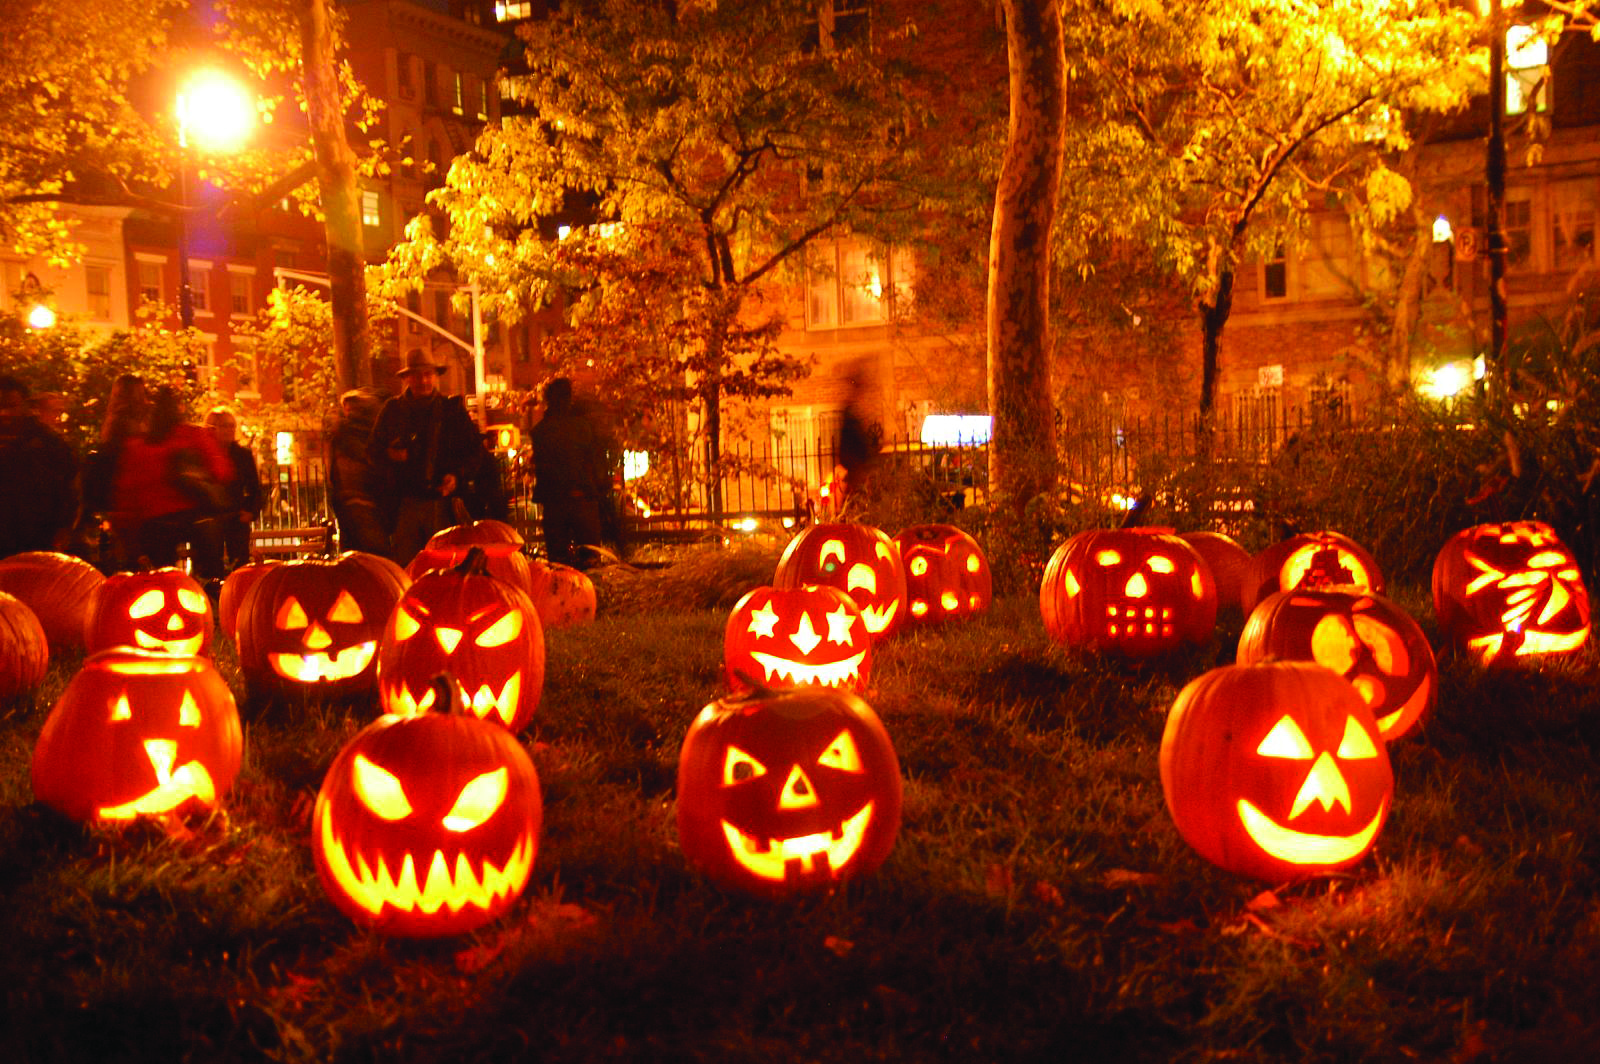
column 795, row 637
column 164, row 610
column 947, row 575
column 859, row 560
column 1511, row 591
column 781, row 792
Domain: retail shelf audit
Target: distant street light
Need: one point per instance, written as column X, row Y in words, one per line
column 215, row 114
column 40, row 314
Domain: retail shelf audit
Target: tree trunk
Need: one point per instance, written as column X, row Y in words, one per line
column 1022, row 452
column 1213, row 316
column 341, row 202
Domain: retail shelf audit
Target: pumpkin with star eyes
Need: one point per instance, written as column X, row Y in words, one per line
column 427, row 825
column 563, row 595
column 24, row 651
column 1275, row 770
column 138, row 733
column 1362, row 636
column 947, row 574
column 859, row 560
column 787, row 792
column 1133, row 592
column 312, row 625
column 796, row 637
column 158, row 609
column 500, row 543
column 1510, row 593
column 58, row 588
column 482, row 630
column 1309, row 560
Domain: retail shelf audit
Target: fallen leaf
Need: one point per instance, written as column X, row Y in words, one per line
column 1262, row 902
column 839, row 947
column 1123, row 877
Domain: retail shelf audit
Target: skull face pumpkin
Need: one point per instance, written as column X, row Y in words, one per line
column 1134, row 592
column 859, row 560
column 1511, row 593
column 947, row 575
column 138, row 733
column 160, row 609
column 1275, row 770
column 786, row 792
column 795, row 637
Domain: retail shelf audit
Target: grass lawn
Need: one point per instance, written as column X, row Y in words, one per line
column 1038, row 904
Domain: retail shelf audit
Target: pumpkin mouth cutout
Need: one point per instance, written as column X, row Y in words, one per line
column 1299, row 847
column 817, row 854
column 173, row 787
column 878, row 618
column 834, row 674
column 187, row 647
column 482, row 702
column 443, row 885
column 317, row 666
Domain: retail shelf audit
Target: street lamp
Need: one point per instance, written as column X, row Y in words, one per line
column 217, row 114
column 40, row 314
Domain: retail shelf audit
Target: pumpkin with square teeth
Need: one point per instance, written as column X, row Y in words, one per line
column 159, row 609
column 947, row 574
column 138, row 733
column 427, row 825
column 859, row 560
column 482, row 630
column 1275, row 770
column 1133, row 592
column 1511, row 593
column 795, row 637
column 787, row 792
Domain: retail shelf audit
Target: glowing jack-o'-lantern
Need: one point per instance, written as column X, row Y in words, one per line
column 795, row 637
column 24, row 651
column 1511, row 593
column 138, row 733
column 1275, row 770
column 1130, row 591
column 859, row 560
column 427, row 825
column 947, row 575
column 482, row 630
column 58, row 588
column 501, row 545
column 784, row 792
column 562, row 595
column 1362, row 636
column 160, row 609
column 314, row 623
column 1309, row 560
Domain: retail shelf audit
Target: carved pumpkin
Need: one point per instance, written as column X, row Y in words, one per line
column 427, row 825
column 159, row 609
column 1136, row 592
column 1362, row 636
column 796, row 637
column 784, row 792
column 857, row 559
column 1308, row 560
column 947, row 575
column 24, row 651
column 1275, row 770
column 562, row 595
column 234, row 588
column 313, row 624
column 58, row 588
column 500, row 543
column 1511, row 593
column 482, row 630
column 1228, row 562
column 138, row 733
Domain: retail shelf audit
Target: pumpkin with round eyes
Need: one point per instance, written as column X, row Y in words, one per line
column 159, row 609
column 313, row 624
column 1510, row 593
column 859, row 560
column 138, row 733
column 58, row 588
column 1136, row 592
column 427, row 825
column 796, row 637
column 1275, row 770
column 482, row 630
column 1309, row 560
column 786, row 792
column 500, row 543
column 1362, row 636
column 562, row 595
column 24, row 651
column 947, row 574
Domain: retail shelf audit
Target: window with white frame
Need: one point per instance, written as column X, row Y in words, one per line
column 97, row 291
column 241, row 298
column 199, row 271
column 149, row 278
column 458, row 93
column 1527, row 71
column 1573, row 206
column 853, row 282
column 371, row 214
column 244, row 368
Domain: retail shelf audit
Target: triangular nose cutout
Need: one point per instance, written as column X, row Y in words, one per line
column 797, row 791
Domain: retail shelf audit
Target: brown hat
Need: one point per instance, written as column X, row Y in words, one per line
column 417, row 360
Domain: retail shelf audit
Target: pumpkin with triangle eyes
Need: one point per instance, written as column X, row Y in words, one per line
column 480, row 629
column 1511, row 593
column 1134, row 592
column 947, row 574
column 795, row 637
column 1275, row 770
column 159, row 609
column 427, row 825
column 313, row 624
column 787, row 792
column 138, row 733
column 500, row 543
column 859, row 560
column 1362, row 636
column 1308, row 560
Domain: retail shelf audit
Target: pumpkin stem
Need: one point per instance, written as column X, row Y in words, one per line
column 1137, row 512
column 448, row 694
column 476, row 563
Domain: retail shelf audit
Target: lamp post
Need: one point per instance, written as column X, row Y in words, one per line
column 1495, row 205
column 218, row 114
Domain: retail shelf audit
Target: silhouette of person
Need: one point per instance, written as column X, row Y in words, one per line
column 103, row 535
column 568, row 476
column 235, row 522
column 38, row 476
column 145, row 490
column 362, row 505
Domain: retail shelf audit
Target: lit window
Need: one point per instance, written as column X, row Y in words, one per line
column 458, row 93
column 1574, row 205
column 370, row 215
column 1328, row 256
column 240, row 299
column 850, row 283
column 97, row 286
column 483, row 100
column 150, row 282
column 1527, row 71
column 512, row 10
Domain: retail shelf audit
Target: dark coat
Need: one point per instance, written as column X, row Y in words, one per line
column 419, row 439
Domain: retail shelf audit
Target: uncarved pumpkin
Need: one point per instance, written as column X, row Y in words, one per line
column 563, row 595
column 500, row 543
column 1228, row 561
column 58, row 588
column 24, row 649
column 233, row 591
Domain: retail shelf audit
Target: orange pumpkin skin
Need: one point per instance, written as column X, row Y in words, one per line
column 427, row 825
column 859, row 560
column 796, row 637
column 947, row 574
column 24, row 650
column 1309, row 559
column 58, row 588
column 1134, row 592
column 1362, row 636
column 159, row 609
column 1275, row 770
column 500, row 543
column 1511, row 593
column 1227, row 561
column 562, row 595
column 234, row 588
column 138, row 733
column 787, row 792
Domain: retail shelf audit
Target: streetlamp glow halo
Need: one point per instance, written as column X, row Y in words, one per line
column 215, row 112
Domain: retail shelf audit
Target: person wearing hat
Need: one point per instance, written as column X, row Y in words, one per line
column 425, row 444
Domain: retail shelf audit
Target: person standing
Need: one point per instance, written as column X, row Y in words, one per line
column 568, row 469
column 356, row 492
column 147, row 488
column 234, row 523
column 103, row 535
column 38, row 477
column 427, row 445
